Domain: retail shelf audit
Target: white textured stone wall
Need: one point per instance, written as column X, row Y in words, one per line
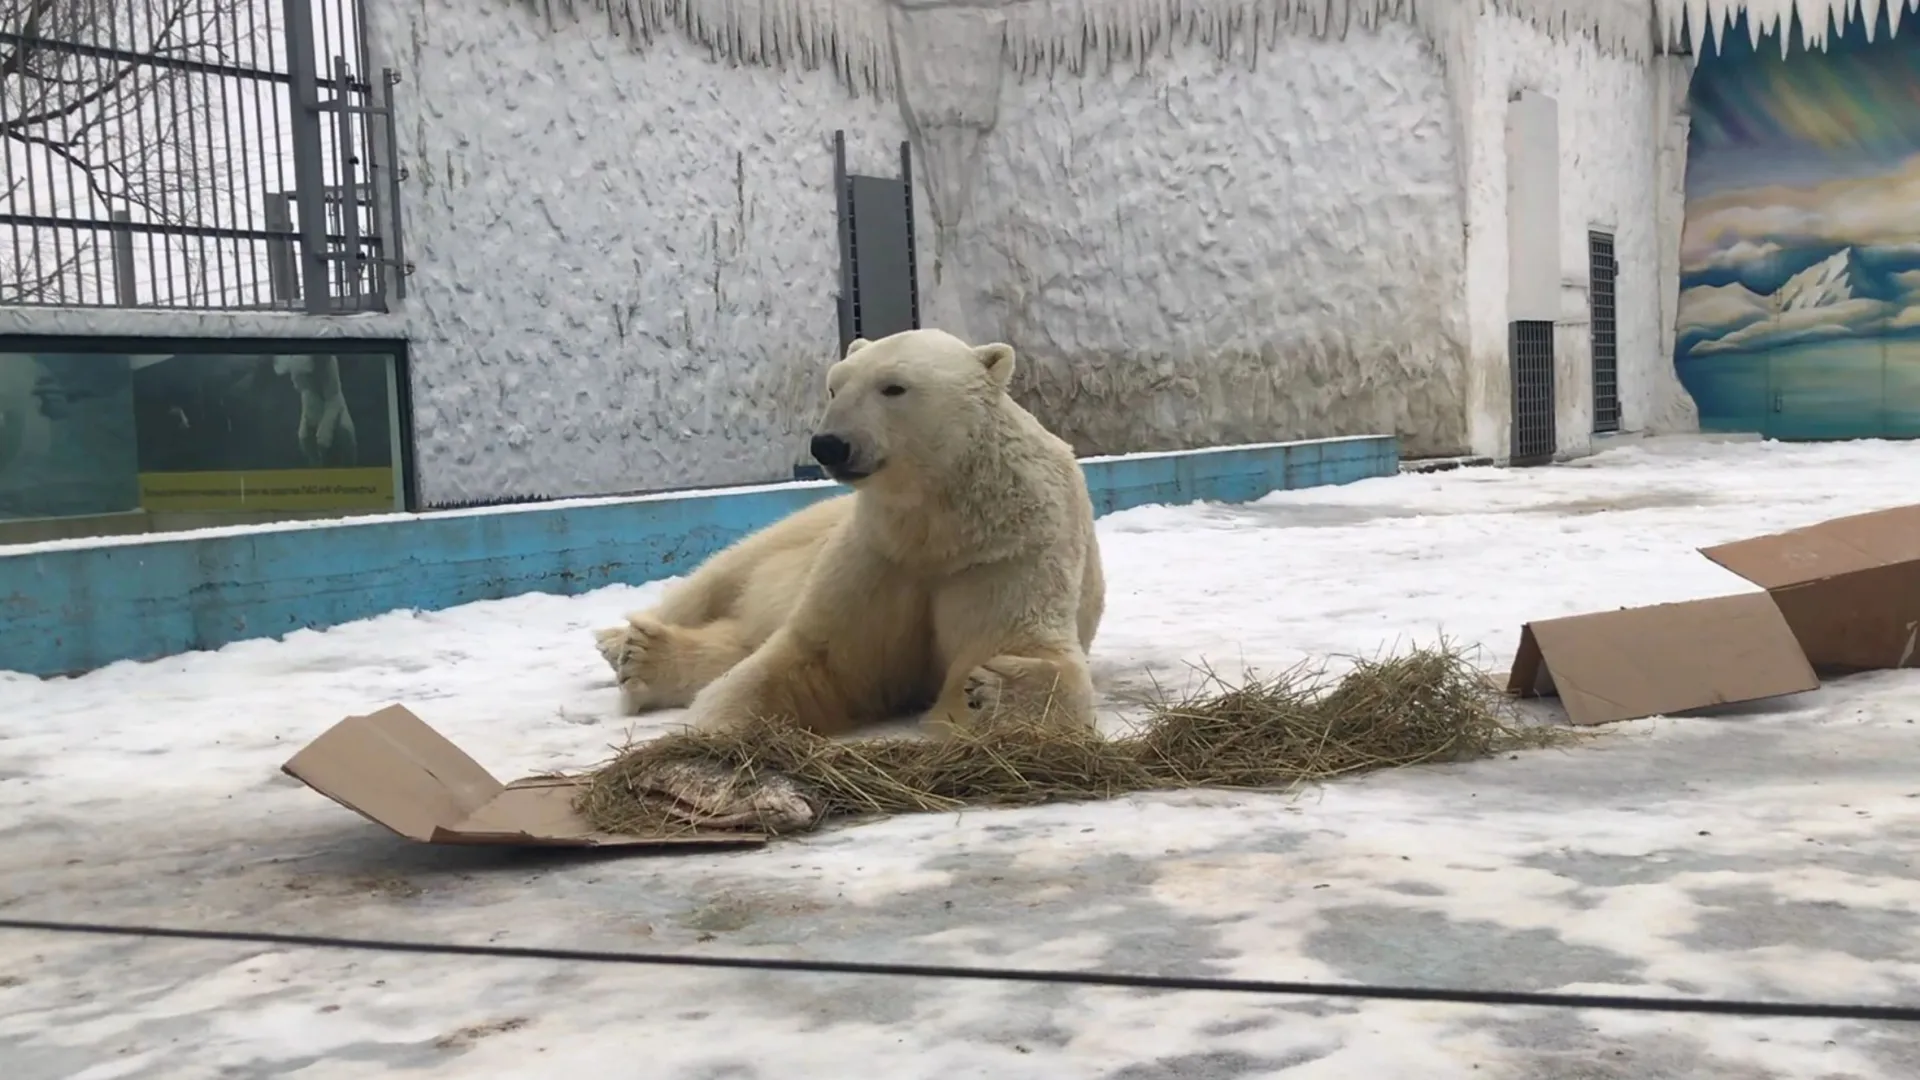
column 1608, row 155
column 626, row 260
column 1192, row 253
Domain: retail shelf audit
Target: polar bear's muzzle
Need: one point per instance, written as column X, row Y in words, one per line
column 836, row 455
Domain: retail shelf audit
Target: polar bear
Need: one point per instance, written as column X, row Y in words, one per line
column 961, row 578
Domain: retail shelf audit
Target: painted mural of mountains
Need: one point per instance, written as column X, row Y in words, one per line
column 1824, row 284
column 1818, row 303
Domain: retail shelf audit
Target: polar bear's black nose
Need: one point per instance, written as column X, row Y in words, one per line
column 831, row 451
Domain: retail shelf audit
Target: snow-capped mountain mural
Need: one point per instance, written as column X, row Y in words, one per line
column 1813, row 304
column 1799, row 310
column 1825, row 284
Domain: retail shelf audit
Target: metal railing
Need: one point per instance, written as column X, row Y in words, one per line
column 212, row 154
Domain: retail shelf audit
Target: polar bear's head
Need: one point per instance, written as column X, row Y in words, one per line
column 918, row 399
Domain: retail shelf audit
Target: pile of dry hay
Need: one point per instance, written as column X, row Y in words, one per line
column 1429, row 705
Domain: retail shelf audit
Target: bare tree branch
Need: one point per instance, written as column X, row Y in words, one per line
column 95, row 127
column 24, row 279
column 15, row 63
column 9, row 128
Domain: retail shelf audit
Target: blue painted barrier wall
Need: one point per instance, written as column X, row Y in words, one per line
column 68, row 609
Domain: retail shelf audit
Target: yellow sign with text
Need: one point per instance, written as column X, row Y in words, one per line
column 268, row 489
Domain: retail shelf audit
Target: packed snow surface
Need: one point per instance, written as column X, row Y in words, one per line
column 1760, row 852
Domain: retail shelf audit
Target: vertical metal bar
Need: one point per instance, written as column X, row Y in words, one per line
column 73, row 210
column 189, row 204
column 52, row 209
column 148, row 148
column 841, row 210
column 270, row 191
column 163, row 152
column 227, row 197
column 377, row 169
column 80, row 198
column 350, row 261
column 394, row 245
column 309, row 174
column 189, row 194
column 142, row 146
column 326, row 45
column 283, row 281
column 242, row 195
column 111, row 259
column 913, row 257
column 340, row 257
column 120, row 250
column 1516, row 366
column 190, row 184
column 41, row 281
column 371, row 95
column 126, row 288
column 362, row 54
column 17, row 259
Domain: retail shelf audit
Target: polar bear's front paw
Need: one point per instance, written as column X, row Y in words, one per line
column 983, row 688
column 612, row 643
column 1020, row 692
column 633, row 651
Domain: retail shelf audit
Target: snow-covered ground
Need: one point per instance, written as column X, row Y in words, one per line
column 1766, row 852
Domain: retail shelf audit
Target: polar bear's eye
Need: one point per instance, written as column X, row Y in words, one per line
column 893, row 389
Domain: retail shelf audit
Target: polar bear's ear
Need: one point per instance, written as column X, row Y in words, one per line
column 855, row 346
column 998, row 360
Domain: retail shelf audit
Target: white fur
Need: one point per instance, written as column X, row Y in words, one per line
column 961, row 577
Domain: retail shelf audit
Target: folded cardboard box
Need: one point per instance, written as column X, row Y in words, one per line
column 393, row 769
column 1841, row 596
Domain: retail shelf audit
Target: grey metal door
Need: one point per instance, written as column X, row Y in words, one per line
column 879, row 289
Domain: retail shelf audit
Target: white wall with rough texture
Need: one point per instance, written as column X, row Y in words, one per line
column 1197, row 251
column 1609, row 181
column 626, row 262
column 1669, row 407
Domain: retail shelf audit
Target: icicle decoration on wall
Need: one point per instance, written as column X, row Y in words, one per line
column 848, row 37
column 1712, row 20
column 1045, row 37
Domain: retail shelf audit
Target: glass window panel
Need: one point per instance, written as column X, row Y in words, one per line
column 67, row 444
column 195, row 438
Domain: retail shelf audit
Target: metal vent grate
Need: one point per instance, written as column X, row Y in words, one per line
column 1530, row 343
column 1602, row 270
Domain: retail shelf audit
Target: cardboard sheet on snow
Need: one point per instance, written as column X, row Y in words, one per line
column 1622, row 665
column 393, row 769
column 1841, row 596
column 1849, row 588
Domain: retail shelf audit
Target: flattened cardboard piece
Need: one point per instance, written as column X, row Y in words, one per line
column 1829, row 549
column 394, row 770
column 1849, row 587
column 1653, row 661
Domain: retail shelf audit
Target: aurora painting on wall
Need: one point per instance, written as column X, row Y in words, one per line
column 1799, row 312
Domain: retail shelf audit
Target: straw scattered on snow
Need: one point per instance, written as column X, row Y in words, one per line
column 1426, row 706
